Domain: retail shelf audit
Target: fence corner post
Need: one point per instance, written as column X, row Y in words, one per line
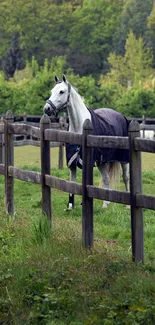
column 9, row 161
column 87, row 179
column 45, row 167
column 136, row 187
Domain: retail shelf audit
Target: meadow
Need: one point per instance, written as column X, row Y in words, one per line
column 49, row 278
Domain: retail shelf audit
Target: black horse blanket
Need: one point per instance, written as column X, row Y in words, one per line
column 105, row 122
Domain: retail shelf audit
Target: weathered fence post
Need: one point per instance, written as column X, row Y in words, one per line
column 136, row 187
column 143, row 122
column 61, row 156
column 61, row 147
column 87, row 179
column 1, row 145
column 45, row 167
column 1, row 152
column 9, row 161
column 25, row 121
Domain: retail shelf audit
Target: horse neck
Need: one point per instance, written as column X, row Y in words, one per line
column 77, row 112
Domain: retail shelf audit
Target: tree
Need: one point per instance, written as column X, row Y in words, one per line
column 90, row 38
column 138, row 58
column 135, row 65
column 42, row 27
column 13, row 59
column 134, row 17
column 151, row 32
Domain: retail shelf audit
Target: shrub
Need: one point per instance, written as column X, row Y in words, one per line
column 6, row 95
column 110, row 94
column 137, row 102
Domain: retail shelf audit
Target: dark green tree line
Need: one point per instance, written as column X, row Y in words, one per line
column 85, row 31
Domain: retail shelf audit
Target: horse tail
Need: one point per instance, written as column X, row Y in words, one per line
column 114, row 172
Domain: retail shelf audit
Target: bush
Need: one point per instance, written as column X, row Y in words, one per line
column 110, row 94
column 137, row 102
column 30, row 88
column 6, row 96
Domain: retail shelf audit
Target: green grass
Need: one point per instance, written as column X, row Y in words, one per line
column 30, row 156
column 49, row 278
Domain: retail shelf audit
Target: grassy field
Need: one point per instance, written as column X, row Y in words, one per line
column 49, row 278
column 30, row 156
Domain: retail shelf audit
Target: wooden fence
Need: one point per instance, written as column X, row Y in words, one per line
column 147, row 124
column 134, row 198
column 24, row 140
column 60, row 123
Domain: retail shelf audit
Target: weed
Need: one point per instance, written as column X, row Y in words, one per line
column 41, row 230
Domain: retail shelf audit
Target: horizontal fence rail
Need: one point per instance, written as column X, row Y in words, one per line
column 64, row 136
column 25, row 175
column 144, row 145
column 147, row 127
column 36, row 118
column 108, row 195
column 26, row 133
column 46, row 135
column 108, row 142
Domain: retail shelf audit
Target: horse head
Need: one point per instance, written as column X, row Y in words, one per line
column 59, row 98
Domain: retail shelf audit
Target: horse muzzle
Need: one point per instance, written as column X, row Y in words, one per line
column 48, row 110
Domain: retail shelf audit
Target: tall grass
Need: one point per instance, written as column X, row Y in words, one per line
column 47, row 277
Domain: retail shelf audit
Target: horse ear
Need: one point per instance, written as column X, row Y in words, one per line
column 56, row 79
column 64, row 78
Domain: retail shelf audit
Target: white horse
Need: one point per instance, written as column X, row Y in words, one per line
column 65, row 96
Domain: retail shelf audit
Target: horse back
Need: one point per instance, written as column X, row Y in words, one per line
column 107, row 121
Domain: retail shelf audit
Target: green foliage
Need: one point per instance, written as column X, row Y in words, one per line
column 85, row 40
column 31, row 87
column 137, row 58
column 41, row 230
column 135, row 64
column 6, row 96
column 13, row 59
column 38, row 88
column 134, row 16
column 137, row 102
column 85, row 31
column 92, row 32
column 110, row 93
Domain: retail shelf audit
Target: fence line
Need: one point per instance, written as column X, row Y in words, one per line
column 58, row 124
column 36, row 118
column 134, row 198
column 30, row 134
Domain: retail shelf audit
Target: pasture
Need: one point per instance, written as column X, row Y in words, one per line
column 48, row 278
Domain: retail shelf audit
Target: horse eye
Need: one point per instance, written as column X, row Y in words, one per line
column 61, row 92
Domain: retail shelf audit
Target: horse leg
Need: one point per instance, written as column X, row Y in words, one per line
column 125, row 175
column 70, row 204
column 104, row 170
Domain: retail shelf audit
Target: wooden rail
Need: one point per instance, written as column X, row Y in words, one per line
column 26, row 133
column 134, row 198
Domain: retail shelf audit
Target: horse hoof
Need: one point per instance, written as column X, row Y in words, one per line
column 127, row 206
column 69, row 207
column 105, row 205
